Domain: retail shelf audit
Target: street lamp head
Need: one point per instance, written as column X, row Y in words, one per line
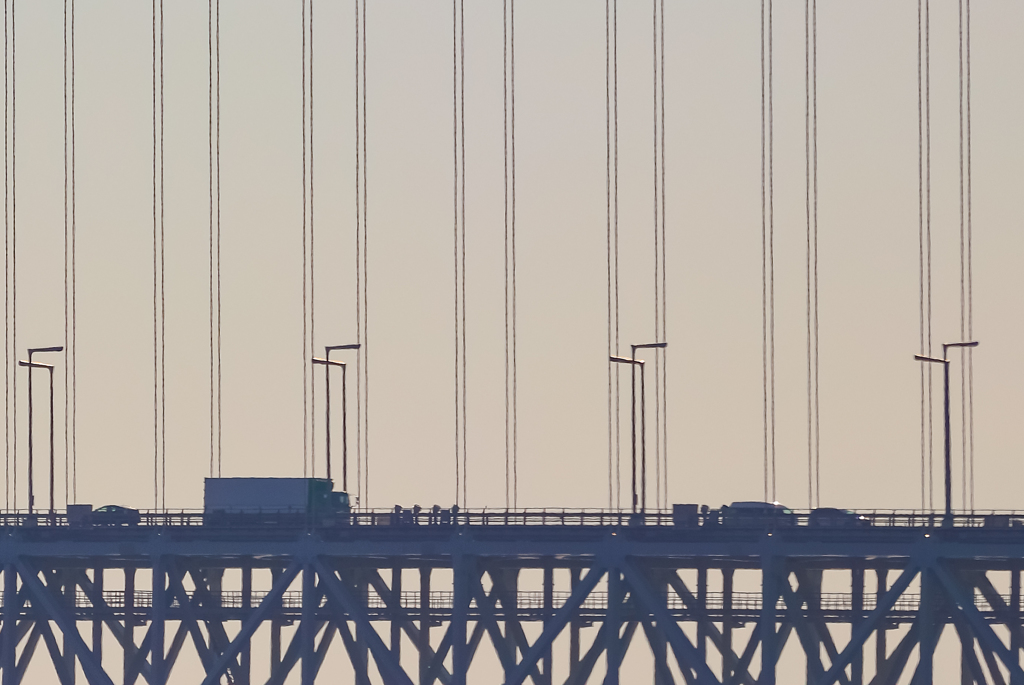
column 650, row 345
column 327, row 362
column 351, row 346
column 970, row 343
column 626, row 360
column 34, row 350
column 35, row 365
column 935, row 360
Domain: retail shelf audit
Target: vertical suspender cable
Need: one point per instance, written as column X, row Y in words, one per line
column 771, row 231
column 220, row 395
column 156, row 283
column 966, row 261
column 366, row 279
column 615, row 227
column 814, row 173
column 74, row 282
column 515, row 298
column 7, row 277
column 963, row 274
column 660, row 263
column 508, row 382
column 455, row 213
column 807, row 188
column 359, row 274
column 664, row 278
column 159, row 307
column 362, row 263
column 811, row 170
column 928, row 235
column 970, row 261
column 14, row 241
column 920, row 243
column 657, row 261
column 67, row 239
column 462, row 211
column 764, row 264
column 312, row 252
column 511, row 394
column 213, row 388
column 767, row 251
column 459, row 150
column 305, row 268
column 163, row 296
column 608, row 231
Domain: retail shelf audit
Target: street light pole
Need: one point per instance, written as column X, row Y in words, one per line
column 948, row 518
column 31, row 461
column 634, row 362
column 327, row 363
column 643, row 421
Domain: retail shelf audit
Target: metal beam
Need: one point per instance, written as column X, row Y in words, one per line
column 718, row 637
column 489, row 620
column 387, row 595
column 889, row 672
column 560, row 619
column 250, row 625
column 390, row 670
column 586, row 665
column 8, row 662
column 865, row 628
column 65, row 675
column 982, row 630
column 663, row 673
column 188, row 618
column 42, row 598
column 686, row 654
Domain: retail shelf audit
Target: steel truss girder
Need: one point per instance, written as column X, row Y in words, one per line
column 41, row 595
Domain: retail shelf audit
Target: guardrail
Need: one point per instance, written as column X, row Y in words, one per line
column 895, row 518
column 832, row 603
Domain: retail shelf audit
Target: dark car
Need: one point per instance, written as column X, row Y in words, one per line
column 115, row 515
column 757, row 515
column 830, row 517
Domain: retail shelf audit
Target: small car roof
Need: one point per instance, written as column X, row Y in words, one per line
column 757, row 505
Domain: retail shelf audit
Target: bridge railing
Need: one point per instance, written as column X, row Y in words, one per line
column 601, row 518
column 526, row 600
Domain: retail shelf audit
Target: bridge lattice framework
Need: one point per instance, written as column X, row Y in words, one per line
column 157, row 590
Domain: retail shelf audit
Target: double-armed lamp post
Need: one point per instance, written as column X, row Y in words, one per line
column 327, row 363
column 948, row 519
column 31, row 462
column 634, row 363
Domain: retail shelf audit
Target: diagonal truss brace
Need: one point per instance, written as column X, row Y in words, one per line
column 39, row 595
column 390, row 670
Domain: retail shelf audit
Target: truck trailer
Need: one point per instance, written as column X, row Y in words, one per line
column 274, row 501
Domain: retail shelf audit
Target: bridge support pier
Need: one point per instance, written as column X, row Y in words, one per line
column 97, row 621
column 275, row 630
column 881, row 649
column 574, row 627
column 727, row 622
column 857, row 609
column 425, row 619
column 10, row 630
column 1014, row 613
column 246, row 655
column 129, row 623
column 549, row 604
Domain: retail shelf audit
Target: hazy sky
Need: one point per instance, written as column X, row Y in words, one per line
column 868, row 242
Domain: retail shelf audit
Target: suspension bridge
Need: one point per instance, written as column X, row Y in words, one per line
column 644, row 588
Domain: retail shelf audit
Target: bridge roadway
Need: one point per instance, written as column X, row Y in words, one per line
column 560, row 570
